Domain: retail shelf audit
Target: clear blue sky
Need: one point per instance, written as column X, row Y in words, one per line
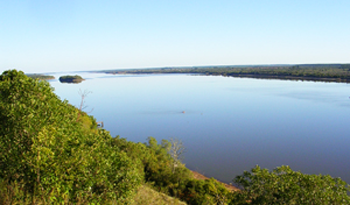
column 72, row 35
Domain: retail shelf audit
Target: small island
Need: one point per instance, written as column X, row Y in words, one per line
column 71, row 79
column 41, row 76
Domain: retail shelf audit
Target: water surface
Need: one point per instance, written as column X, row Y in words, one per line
column 229, row 124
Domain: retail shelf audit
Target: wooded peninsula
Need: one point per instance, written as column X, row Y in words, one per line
column 41, row 76
column 308, row 72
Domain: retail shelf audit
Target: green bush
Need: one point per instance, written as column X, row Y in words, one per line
column 157, row 165
column 210, row 191
column 285, row 186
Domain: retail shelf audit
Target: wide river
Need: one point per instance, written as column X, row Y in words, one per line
column 227, row 124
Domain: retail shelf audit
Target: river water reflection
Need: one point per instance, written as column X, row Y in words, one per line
column 227, row 124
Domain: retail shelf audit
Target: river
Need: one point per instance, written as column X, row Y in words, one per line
column 227, row 124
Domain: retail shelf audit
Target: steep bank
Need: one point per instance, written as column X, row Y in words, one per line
column 199, row 176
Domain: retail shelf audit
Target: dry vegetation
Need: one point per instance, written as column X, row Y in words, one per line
column 146, row 195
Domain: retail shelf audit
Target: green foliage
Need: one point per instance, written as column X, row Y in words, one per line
column 87, row 122
column 158, row 167
column 47, row 152
column 156, row 163
column 207, row 191
column 285, row 186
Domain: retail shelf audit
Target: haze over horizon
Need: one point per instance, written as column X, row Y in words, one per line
column 74, row 35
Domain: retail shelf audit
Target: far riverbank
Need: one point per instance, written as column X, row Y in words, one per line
column 303, row 72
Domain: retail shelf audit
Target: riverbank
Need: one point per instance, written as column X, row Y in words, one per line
column 199, row 176
column 303, row 72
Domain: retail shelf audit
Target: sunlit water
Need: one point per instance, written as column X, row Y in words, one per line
column 227, row 124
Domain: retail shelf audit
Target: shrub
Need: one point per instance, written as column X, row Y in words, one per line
column 285, row 186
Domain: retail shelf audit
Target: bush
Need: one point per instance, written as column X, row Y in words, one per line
column 207, row 191
column 158, row 167
column 285, row 186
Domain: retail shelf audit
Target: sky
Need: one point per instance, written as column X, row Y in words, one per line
column 38, row 36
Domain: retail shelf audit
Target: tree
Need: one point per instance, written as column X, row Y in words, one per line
column 176, row 151
column 285, row 186
column 82, row 105
column 83, row 95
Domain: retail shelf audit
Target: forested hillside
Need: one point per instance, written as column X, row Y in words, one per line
column 53, row 153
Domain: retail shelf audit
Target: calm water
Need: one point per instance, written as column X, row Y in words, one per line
column 229, row 124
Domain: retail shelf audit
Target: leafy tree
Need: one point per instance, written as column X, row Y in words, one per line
column 285, row 186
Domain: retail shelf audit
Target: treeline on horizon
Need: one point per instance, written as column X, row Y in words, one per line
column 314, row 72
column 53, row 153
column 41, row 76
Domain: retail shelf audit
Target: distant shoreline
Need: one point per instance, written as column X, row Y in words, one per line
column 339, row 73
column 295, row 78
column 255, row 76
